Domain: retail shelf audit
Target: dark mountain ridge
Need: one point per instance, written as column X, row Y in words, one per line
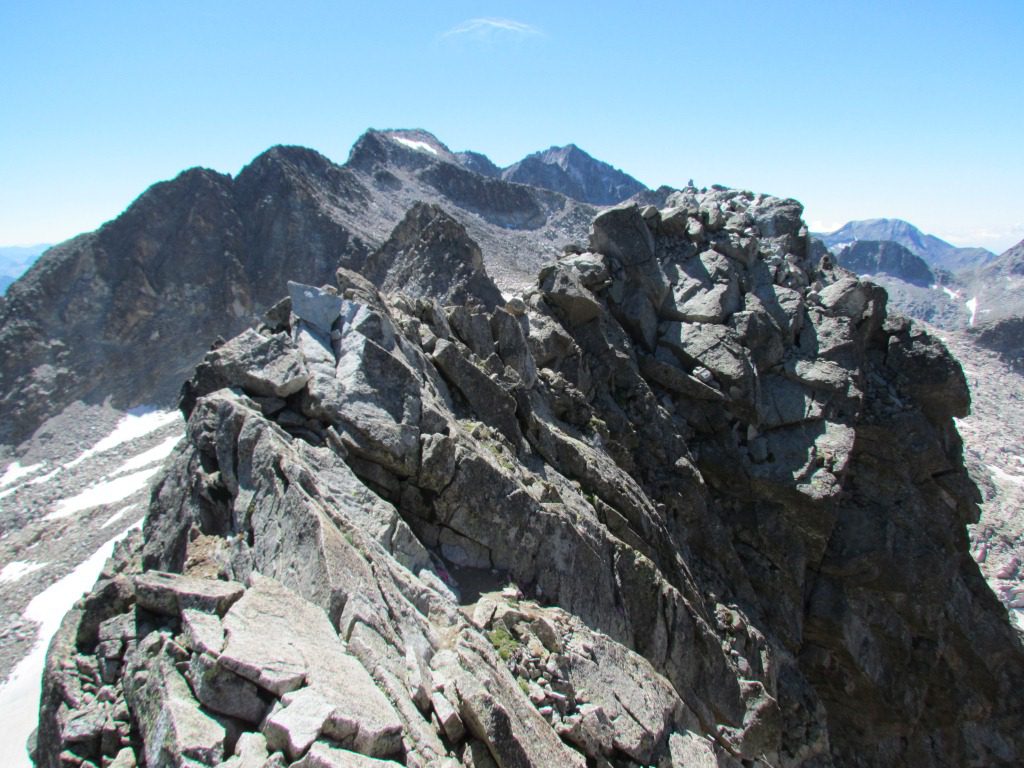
column 870, row 257
column 126, row 311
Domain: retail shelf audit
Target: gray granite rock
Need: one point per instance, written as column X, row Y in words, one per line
column 170, row 593
column 318, row 307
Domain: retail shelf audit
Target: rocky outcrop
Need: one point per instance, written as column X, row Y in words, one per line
column 695, row 499
column 430, row 254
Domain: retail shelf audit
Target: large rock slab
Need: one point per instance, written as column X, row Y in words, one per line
column 171, row 593
column 323, row 687
column 318, row 307
column 263, row 365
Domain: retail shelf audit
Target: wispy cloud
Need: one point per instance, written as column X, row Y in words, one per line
column 995, row 238
column 485, row 28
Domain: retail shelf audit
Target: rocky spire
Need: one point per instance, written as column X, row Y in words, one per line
column 429, row 254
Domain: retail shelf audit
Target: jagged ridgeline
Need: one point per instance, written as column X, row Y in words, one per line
column 692, row 500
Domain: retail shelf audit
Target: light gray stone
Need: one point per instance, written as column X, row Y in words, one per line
column 202, row 631
column 323, row 755
column 844, row 297
column 340, row 697
column 173, row 728
column 170, row 593
column 563, row 289
column 223, row 691
column 448, row 716
column 268, row 366
column 295, row 726
column 250, row 752
column 316, row 306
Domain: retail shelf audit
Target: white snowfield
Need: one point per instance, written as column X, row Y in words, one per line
column 136, row 423
column 422, row 146
column 18, row 569
column 972, row 307
column 19, row 697
column 1006, row 477
column 15, row 472
column 154, row 455
column 118, row 515
column 107, row 492
column 89, row 474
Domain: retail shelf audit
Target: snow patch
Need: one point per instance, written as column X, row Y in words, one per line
column 19, row 696
column 19, row 569
column 152, row 456
column 421, row 146
column 972, row 307
column 106, row 492
column 952, row 294
column 1006, row 476
column 135, row 423
column 119, row 514
column 47, row 477
column 15, row 471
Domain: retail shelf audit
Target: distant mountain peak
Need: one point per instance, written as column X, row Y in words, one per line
column 934, row 250
column 576, row 174
column 419, row 140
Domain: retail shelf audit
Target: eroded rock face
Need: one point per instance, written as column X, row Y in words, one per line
column 688, row 502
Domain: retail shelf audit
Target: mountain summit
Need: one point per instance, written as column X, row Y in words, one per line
column 575, row 174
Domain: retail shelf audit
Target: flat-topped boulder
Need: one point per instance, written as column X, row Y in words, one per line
column 172, row 593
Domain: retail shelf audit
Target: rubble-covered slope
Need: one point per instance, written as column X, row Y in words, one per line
column 693, row 500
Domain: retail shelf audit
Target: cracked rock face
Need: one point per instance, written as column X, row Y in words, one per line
column 693, row 500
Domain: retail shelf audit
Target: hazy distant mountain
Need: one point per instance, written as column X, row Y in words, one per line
column 934, row 250
column 15, row 260
column 575, row 174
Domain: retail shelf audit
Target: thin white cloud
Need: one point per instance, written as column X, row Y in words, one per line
column 489, row 27
column 995, row 238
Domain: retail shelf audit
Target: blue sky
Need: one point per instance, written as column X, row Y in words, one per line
column 858, row 109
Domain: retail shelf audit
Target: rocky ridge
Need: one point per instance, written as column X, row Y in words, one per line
column 694, row 499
